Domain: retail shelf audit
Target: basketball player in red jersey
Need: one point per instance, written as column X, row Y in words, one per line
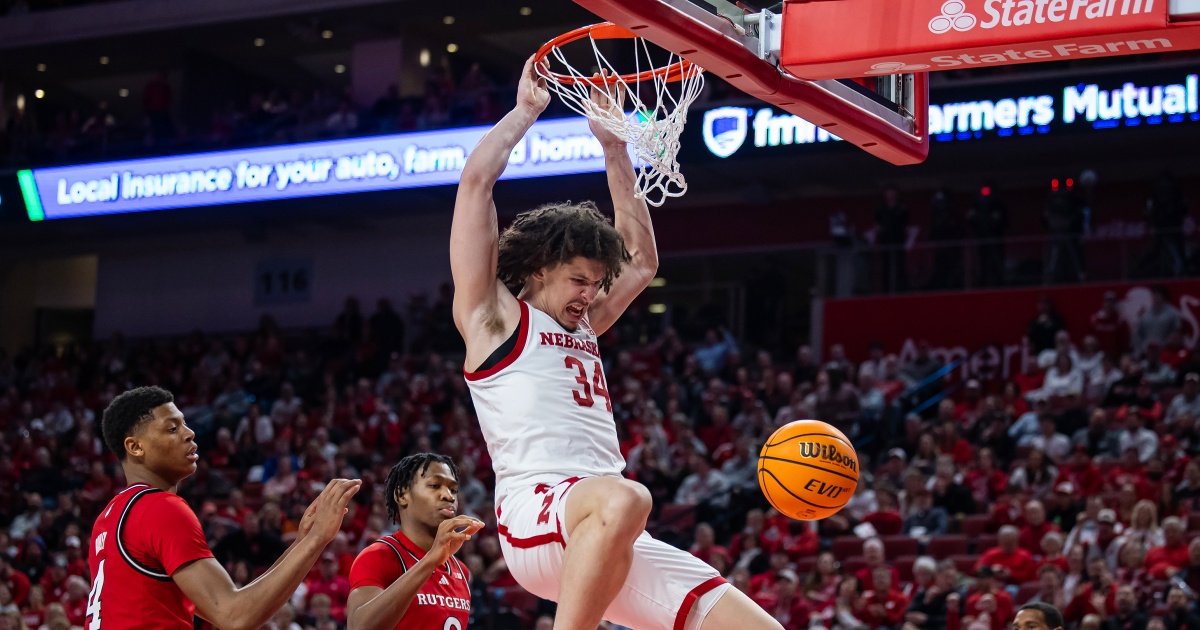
column 572, row 528
column 151, row 567
column 411, row 578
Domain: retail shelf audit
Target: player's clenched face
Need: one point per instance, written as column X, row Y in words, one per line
column 570, row 288
column 165, row 444
column 431, row 499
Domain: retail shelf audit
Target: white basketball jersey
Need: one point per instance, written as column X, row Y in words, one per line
column 544, row 409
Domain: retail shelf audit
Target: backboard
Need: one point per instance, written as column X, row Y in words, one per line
column 742, row 47
column 800, row 59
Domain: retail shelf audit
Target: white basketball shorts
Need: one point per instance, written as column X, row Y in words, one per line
column 667, row 588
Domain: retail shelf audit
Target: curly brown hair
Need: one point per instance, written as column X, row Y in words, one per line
column 554, row 234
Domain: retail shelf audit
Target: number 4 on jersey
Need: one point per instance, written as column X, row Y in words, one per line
column 597, row 384
column 93, row 605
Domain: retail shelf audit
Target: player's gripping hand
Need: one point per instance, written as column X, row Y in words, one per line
column 323, row 518
column 601, row 100
column 531, row 91
column 449, row 539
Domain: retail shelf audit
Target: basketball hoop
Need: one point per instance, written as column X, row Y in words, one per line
column 653, row 128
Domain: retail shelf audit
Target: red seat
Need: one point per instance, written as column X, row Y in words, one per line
column 678, row 517
column 973, row 524
column 941, row 547
column 965, row 563
column 904, row 566
column 846, row 546
column 805, row 565
column 895, row 546
column 1025, row 592
column 853, row 564
column 983, row 542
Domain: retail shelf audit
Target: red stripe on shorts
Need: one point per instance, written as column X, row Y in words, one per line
column 694, row 595
column 533, row 541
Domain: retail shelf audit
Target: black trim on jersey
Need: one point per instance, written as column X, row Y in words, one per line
column 462, row 568
column 398, row 556
column 137, row 566
column 504, row 350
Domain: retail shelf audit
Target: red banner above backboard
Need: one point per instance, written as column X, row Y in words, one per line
column 854, row 38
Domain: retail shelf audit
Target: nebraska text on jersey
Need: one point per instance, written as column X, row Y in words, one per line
column 567, row 341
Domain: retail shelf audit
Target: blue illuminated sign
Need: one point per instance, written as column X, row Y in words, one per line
column 1131, row 105
column 431, row 158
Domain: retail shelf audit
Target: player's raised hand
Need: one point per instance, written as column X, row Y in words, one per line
column 611, row 99
column 531, row 91
column 328, row 509
column 449, row 539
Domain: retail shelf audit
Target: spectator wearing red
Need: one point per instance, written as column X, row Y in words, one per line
column 1174, row 457
column 1105, row 536
column 990, row 599
column 1130, row 470
column 986, row 481
column 1009, row 562
column 1097, row 595
column 329, row 583
column 1108, row 328
column 1165, row 561
column 1052, row 552
column 16, row 581
column 883, row 606
column 1005, row 511
column 705, row 544
column 874, row 556
column 75, row 600
column 1081, row 472
column 718, row 433
column 954, row 445
column 1035, row 528
column 886, row 519
column 790, row 609
column 764, row 588
column 1174, row 351
column 76, row 562
column 967, row 410
column 54, row 580
column 801, row 541
column 34, row 610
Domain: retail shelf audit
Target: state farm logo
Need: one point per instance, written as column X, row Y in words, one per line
column 1013, row 13
column 954, row 17
column 897, row 67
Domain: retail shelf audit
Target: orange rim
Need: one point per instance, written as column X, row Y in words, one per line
column 608, row 30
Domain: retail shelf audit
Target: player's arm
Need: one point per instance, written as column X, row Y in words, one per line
column 217, row 600
column 632, row 220
column 482, row 304
column 374, row 608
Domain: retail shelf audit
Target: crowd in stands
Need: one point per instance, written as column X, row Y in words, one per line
column 63, row 133
column 1073, row 485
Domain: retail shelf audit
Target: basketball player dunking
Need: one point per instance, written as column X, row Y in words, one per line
column 572, row 529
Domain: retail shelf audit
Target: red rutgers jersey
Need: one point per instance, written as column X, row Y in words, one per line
column 137, row 544
column 443, row 603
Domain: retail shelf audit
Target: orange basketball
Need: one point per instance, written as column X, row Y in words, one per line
column 808, row 470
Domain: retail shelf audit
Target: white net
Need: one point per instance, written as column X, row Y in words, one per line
column 652, row 129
